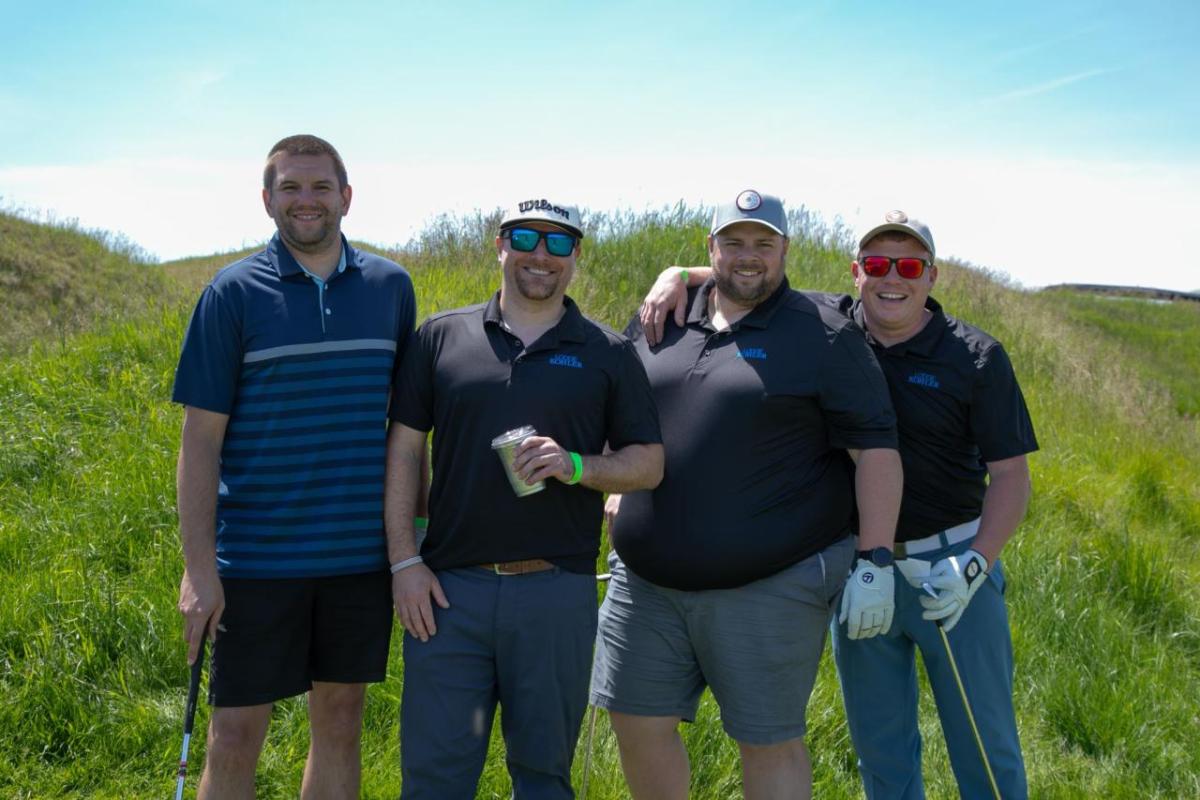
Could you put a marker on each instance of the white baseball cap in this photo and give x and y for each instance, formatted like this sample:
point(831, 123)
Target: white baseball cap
point(543, 210)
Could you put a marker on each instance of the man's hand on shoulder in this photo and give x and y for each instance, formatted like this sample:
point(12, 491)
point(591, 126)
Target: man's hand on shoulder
point(667, 296)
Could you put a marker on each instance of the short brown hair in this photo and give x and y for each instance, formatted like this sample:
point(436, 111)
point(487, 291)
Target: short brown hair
point(304, 144)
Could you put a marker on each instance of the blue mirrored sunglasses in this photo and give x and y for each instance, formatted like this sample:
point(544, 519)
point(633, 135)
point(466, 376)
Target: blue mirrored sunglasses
point(526, 240)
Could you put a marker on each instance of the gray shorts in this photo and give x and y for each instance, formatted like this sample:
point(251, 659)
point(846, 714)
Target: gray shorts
point(757, 646)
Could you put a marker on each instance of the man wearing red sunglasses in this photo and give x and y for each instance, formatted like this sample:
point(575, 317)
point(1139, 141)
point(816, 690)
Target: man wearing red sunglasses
point(964, 436)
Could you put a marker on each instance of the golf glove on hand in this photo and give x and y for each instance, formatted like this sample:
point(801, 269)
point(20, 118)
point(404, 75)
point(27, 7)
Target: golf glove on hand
point(956, 579)
point(868, 600)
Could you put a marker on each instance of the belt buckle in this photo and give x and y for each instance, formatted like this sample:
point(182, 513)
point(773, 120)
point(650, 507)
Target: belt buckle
point(496, 568)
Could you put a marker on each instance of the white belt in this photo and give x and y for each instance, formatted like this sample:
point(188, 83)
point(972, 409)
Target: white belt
point(946, 538)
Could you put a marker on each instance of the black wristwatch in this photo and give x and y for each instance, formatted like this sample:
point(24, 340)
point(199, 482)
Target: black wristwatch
point(879, 556)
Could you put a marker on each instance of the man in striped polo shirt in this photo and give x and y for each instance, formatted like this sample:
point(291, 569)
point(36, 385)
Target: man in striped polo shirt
point(285, 376)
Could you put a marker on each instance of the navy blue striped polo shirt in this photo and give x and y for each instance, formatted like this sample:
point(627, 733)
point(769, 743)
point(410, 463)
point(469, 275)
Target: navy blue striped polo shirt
point(303, 369)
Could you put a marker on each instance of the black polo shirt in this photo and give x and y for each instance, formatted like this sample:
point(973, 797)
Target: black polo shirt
point(470, 379)
point(756, 420)
point(958, 405)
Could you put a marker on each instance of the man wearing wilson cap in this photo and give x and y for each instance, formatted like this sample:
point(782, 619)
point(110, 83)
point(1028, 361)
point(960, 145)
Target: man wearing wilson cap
point(499, 603)
point(964, 436)
point(726, 575)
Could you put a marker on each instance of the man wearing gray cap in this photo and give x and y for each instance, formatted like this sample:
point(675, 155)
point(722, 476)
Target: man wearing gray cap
point(964, 435)
point(726, 575)
point(499, 601)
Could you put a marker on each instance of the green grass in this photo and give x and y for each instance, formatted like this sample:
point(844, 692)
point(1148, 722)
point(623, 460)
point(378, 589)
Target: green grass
point(1102, 576)
point(1154, 337)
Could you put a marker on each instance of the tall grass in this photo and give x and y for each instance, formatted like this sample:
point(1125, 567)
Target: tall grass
point(1102, 575)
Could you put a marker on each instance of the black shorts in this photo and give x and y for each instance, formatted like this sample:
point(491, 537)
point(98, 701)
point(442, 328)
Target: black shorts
point(277, 636)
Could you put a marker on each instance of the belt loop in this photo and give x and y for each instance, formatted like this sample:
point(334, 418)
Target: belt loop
point(944, 539)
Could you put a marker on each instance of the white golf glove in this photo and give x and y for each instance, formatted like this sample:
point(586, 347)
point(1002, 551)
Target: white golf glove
point(956, 579)
point(868, 600)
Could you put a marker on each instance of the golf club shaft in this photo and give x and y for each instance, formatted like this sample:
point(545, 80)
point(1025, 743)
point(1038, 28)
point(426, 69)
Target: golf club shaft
point(962, 692)
point(189, 718)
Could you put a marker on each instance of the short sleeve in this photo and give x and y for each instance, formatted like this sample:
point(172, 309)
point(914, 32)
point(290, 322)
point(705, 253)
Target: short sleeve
point(211, 360)
point(632, 416)
point(1000, 422)
point(406, 320)
point(412, 388)
point(854, 396)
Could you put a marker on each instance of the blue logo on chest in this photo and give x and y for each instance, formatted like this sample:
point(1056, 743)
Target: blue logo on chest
point(924, 379)
point(565, 361)
point(753, 353)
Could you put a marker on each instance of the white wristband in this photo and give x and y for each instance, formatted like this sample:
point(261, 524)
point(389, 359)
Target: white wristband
point(406, 563)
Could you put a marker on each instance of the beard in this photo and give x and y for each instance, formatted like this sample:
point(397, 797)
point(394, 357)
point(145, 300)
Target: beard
point(746, 295)
point(308, 238)
point(536, 288)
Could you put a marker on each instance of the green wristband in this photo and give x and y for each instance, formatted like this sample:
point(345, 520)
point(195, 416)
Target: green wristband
point(577, 460)
point(683, 276)
point(420, 522)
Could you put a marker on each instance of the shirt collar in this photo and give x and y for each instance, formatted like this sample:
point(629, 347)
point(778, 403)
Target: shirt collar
point(570, 328)
point(925, 340)
point(286, 264)
point(759, 316)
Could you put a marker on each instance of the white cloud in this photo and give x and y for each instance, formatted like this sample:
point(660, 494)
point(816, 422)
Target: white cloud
point(1042, 222)
point(1044, 87)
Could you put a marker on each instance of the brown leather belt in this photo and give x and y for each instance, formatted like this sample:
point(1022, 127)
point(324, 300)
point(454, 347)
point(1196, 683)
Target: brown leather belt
point(518, 567)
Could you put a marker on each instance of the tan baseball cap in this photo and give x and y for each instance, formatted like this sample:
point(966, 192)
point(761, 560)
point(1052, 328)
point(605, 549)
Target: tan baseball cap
point(899, 221)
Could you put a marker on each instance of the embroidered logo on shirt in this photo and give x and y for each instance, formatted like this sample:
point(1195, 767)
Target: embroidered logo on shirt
point(924, 379)
point(753, 352)
point(565, 361)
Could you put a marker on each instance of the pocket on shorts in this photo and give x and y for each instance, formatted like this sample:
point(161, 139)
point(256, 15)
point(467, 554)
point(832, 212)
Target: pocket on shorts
point(996, 574)
point(837, 559)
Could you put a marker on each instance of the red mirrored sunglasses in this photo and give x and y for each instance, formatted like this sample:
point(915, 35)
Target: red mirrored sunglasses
point(907, 267)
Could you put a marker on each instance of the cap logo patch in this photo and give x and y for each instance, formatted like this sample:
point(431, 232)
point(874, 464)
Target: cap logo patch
point(896, 216)
point(749, 200)
point(543, 205)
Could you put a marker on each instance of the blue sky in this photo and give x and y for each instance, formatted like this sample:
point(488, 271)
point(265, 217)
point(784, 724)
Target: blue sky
point(1052, 141)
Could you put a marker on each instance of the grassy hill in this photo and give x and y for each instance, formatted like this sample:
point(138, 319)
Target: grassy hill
point(59, 279)
point(1102, 576)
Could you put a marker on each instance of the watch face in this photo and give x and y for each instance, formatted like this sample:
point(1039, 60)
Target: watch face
point(882, 557)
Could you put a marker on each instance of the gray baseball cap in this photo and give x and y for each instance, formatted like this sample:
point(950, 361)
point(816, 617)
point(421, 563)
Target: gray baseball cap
point(542, 210)
point(750, 206)
point(899, 221)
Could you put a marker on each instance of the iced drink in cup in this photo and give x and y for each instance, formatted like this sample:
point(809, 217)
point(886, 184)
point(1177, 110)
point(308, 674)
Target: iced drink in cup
point(504, 445)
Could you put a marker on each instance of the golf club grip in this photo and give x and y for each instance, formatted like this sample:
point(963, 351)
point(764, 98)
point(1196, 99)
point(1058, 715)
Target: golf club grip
point(189, 715)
